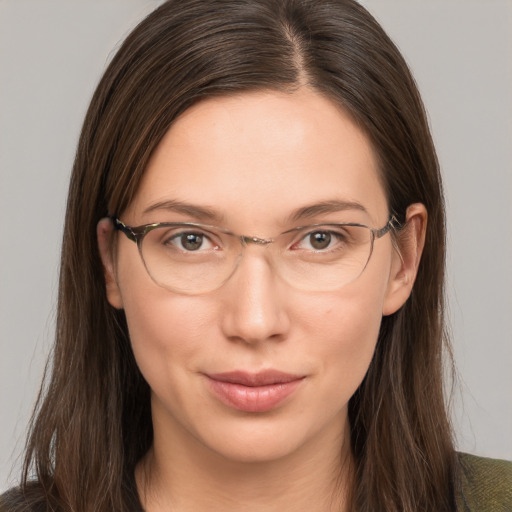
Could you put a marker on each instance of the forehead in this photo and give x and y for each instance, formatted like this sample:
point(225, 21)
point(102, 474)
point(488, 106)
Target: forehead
point(259, 156)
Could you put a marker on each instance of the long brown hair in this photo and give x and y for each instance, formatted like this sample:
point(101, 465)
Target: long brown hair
point(92, 422)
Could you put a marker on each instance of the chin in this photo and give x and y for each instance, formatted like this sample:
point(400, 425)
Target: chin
point(272, 437)
point(259, 448)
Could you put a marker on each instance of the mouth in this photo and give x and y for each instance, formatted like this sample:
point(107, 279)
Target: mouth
point(253, 392)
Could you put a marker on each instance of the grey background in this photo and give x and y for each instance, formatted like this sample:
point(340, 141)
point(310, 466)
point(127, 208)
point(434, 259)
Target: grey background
point(52, 53)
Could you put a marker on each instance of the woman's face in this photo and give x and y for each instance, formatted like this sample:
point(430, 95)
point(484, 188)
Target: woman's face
point(257, 369)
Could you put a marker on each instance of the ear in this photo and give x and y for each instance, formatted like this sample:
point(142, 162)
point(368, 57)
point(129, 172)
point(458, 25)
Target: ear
point(104, 233)
point(406, 258)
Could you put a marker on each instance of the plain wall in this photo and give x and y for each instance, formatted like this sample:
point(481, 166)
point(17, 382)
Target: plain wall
point(52, 54)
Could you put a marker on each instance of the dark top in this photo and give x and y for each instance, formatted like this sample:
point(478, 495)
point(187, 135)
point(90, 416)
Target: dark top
point(485, 486)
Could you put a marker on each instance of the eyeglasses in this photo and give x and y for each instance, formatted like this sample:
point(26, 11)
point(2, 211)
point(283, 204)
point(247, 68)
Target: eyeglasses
point(190, 258)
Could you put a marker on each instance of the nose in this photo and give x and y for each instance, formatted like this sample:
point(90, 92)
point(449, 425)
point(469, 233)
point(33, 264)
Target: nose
point(254, 306)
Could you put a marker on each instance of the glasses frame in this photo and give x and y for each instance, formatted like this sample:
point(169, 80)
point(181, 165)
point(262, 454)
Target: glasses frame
point(137, 233)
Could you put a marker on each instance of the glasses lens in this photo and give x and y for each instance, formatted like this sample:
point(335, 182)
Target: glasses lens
point(326, 257)
point(189, 259)
point(197, 259)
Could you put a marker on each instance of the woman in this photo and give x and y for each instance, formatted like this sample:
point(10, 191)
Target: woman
point(251, 296)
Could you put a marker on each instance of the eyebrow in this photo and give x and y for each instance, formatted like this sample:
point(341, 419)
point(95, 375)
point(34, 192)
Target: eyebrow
point(330, 206)
point(204, 213)
point(192, 210)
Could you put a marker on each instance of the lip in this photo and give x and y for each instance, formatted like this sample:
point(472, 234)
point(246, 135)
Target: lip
point(253, 392)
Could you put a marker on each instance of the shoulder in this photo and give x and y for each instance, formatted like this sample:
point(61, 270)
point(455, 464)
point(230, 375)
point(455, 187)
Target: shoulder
point(485, 484)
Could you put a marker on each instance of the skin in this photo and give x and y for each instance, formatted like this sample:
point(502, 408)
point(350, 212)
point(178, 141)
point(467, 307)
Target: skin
point(253, 159)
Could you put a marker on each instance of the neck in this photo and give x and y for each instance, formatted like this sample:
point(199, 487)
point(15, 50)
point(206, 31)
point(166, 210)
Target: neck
point(186, 477)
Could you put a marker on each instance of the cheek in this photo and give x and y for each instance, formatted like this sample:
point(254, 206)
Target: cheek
point(354, 329)
point(160, 325)
point(342, 331)
point(167, 332)
point(170, 342)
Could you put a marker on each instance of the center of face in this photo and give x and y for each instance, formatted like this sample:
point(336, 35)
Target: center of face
point(271, 166)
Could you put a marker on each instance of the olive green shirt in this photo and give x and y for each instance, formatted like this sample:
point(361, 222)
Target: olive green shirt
point(486, 485)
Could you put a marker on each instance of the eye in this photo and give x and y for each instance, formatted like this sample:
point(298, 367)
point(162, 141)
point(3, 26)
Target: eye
point(191, 241)
point(319, 240)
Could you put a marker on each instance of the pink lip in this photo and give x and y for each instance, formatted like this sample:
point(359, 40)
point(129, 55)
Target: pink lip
point(253, 392)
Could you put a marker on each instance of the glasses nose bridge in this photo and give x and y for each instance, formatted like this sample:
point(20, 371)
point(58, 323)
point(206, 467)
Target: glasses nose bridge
point(247, 240)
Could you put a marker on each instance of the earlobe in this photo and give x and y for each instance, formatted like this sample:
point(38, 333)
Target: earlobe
point(406, 260)
point(104, 231)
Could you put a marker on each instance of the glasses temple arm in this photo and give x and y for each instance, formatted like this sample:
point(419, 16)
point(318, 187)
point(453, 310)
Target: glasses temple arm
point(127, 230)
